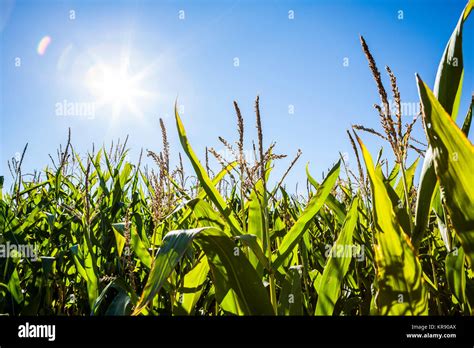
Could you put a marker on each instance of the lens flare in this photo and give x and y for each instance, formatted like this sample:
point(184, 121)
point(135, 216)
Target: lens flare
point(43, 45)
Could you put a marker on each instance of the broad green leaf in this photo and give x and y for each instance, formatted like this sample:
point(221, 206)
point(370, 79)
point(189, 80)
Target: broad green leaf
point(205, 215)
point(293, 236)
point(204, 179)
point(256, 227)
point(193, 285)
point(121, 305)
point(392, 178)
point(337, 265)
point(14, 286)
point(445, 233)
point(78, 260)
point(230, 303)
point(331, 202)
point(256, 247)
point(230, 269)
point(174, 246)
point(92, 280)
point(398, 203)
point(291, 295)
point(255, 214)
point(399, 275)
point(202, 193)
point(456, 274)
point(453, 157)
point(217, 178)
point(447, 90)
point(118, 229)
point(466, 126)
point(84, 264)
point(410, 174)
point(139, 247)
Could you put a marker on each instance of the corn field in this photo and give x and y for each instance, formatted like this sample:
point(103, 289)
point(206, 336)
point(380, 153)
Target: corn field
point(113, 238)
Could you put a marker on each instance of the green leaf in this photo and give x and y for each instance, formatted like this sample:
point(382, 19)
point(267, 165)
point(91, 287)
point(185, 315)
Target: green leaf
point(397, 203)
point(193, 284)
point(118, 229)
point(453, 157)
point(205, 215)
point(292, 238)
point(121, 305)
point(78, 260)
point(173, 248)
point(204, 179)
point(84, 265)
point(410, 174)
point(333, 204)
point(255, 212)
point(291, 295)
point(399, 275)
point(392, 178)
point(456, 274)
point(337, 265)
point(256, 228)
point(230, 269)
point(447, 90)
point(14, 286)
point(466, 126)
point(252, 241)
point(202, 193)
point(139, 247)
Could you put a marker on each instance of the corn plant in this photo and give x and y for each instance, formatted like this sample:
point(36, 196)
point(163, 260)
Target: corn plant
point(111, 237)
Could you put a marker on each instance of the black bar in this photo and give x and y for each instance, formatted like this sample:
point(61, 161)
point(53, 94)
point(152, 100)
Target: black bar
point(290, 331)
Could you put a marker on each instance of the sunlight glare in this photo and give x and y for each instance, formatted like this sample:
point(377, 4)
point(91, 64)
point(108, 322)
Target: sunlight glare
point(113, 86)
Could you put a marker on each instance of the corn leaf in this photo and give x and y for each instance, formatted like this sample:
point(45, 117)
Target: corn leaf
point(229, 267)
point(84, 265)
point(204, 179)
point(291, 296)
point(453, 157)
point(139, 247)
point(456, 274)
point(466, 126)
point(398, 271)
point(292, 238)
point(337, 266)
point(331, 202)
point(14, 286)
point(174, 246)
point(193, 286)
point(447, 90)
point(118, 229)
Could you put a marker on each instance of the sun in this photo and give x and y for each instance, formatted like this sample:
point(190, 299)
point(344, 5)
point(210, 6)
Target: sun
point(114, 86)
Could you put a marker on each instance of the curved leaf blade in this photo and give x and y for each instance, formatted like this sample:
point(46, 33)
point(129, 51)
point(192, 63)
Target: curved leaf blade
point(337, 267)
point(453, 157)
point(296, 232)
point(399, 275)
point(447, 90)
point(204, 179)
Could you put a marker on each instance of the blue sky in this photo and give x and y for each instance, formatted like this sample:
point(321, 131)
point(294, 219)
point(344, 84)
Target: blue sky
point(291, 63)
